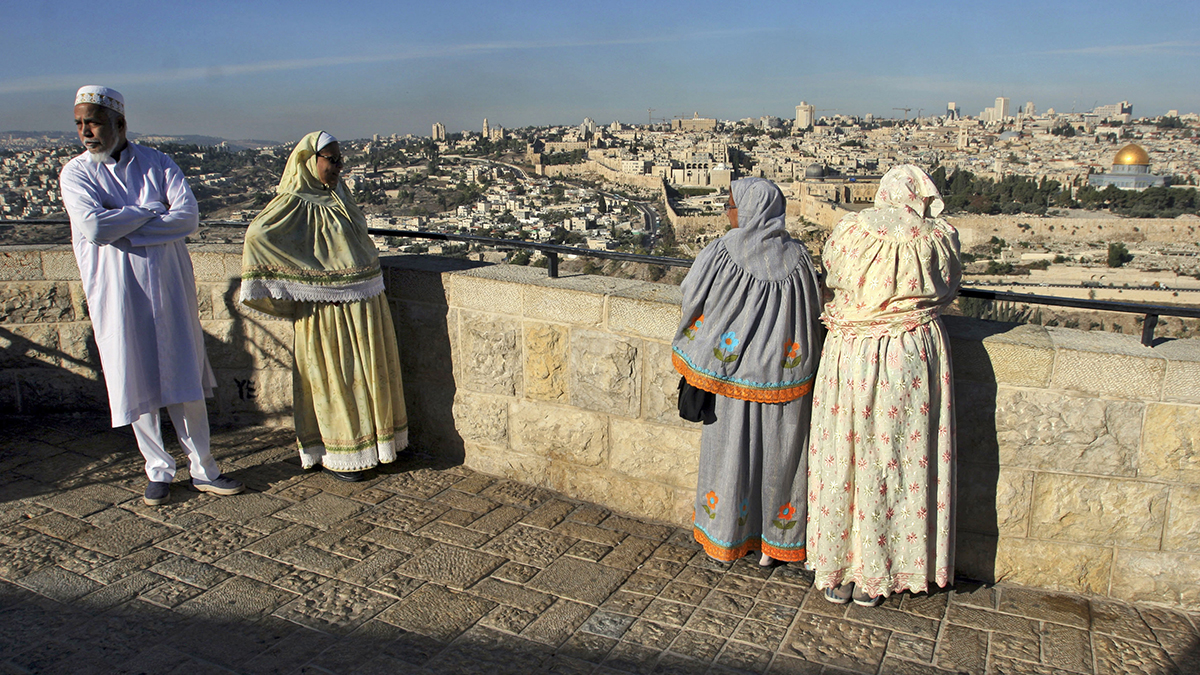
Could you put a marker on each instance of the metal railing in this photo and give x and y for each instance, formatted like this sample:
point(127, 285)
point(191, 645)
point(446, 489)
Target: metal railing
point(1151, 313)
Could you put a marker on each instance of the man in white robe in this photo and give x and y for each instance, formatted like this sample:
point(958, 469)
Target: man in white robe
point(131, 211)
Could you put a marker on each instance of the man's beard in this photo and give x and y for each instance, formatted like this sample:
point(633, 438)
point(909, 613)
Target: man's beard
point(99, 156)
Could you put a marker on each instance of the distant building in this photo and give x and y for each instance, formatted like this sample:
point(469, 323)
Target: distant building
point(487, 131)
point(1130, 171)
point(952, 110)
point(1001, 108)
point(1030, 110)
point(1121, 112)
point(804, 116)
point(439, 131)
point(697, 123)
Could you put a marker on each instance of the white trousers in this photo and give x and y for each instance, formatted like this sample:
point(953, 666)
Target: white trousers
point(191, 424)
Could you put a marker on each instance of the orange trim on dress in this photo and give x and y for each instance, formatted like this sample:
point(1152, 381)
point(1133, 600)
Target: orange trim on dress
point(718, 552)
point(731, 390)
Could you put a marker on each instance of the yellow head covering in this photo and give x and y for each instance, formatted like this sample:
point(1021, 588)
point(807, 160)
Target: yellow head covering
point(309, 244)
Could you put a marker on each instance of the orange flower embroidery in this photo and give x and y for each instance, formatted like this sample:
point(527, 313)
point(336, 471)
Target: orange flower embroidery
point(711, 506)
point(792, 358)
point(786, 513)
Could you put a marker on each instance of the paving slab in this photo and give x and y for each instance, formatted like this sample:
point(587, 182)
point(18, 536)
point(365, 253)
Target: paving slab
point(429, 568)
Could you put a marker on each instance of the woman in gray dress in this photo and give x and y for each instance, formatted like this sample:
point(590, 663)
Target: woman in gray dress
point(749, 334)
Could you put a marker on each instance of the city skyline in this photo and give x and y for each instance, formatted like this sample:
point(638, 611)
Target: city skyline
point(273, 71)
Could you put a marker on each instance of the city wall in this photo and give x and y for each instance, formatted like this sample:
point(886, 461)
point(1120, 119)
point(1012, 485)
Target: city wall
point(1079, 453)
point(976, 229)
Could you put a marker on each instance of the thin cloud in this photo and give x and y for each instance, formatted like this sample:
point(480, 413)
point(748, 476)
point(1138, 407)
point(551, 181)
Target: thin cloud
point(69, 81)
point(1174, 48)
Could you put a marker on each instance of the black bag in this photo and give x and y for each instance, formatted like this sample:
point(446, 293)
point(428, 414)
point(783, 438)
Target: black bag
point(696, 405)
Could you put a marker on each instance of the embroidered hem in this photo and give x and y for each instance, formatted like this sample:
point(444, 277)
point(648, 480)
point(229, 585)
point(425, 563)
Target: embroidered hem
point(364, 455)
point(733, 553)
point(281, 289)
point(744, 391)
point(884, 585)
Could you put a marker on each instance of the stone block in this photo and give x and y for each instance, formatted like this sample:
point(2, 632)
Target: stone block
point(1183, 520)
point(37, 302)
point(79, 302)
point(78, 348)
point(426, 333)
point(1059, 566)
point(639, 498)
point(44, 390)
point(562, 305)
point(485, 295)
point(481, 419)
point(643, 318)
point(210, 266)
point(1109, 373)
point(226, 344)
point(657, 453)
point(660, 386)
point(1021, 355)
point(504, 462)
point(1183, 370)
point(546, 361)
point(429, 284)
point(1098, 510)
point(1150, 576)
point(253, 392)
point(227, 304)
point(489, 357)
point(559, 433)
point(1171, 443)
point(1061, 432)
point(18, 265)
point(993, 500)
point(604, 373)
point(26, 345)
point(204, 301)
point(270, 344)
point(59, 265)
point(233, 266)
point(1182, 382)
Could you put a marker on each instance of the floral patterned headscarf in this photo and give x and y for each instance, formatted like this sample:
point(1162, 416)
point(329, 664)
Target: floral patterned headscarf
point(907, 187)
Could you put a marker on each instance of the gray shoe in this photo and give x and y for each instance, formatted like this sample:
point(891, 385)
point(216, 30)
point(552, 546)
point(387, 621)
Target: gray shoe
point(157, 493)
point(221, 485)
point(863, 600)
point(839, 595)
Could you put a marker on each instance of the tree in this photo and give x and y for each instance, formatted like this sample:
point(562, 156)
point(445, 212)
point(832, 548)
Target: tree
point(1118, 255)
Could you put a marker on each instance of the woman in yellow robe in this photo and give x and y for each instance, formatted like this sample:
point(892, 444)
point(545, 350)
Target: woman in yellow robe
point(308, 258)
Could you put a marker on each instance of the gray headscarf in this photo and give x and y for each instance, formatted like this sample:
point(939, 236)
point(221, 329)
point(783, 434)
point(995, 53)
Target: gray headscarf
point(750, 303)
point(760, 244)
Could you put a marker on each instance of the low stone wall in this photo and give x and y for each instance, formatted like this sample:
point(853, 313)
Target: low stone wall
point(48, 357)
point(1079, 453)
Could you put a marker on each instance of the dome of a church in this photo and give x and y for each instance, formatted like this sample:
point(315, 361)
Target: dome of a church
point(1131, 155)
point(814, 170)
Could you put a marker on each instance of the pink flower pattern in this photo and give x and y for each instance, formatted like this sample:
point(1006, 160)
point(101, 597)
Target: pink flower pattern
point(882, 509)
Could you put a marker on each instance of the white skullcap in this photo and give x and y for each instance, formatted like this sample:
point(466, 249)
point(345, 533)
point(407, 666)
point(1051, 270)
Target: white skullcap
point(324, 139)
point(102, 96)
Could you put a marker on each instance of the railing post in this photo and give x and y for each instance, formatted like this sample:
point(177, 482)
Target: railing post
point(553, 256)
point(1148, 329)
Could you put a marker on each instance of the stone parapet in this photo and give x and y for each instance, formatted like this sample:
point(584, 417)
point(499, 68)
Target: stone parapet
point(1079, 453)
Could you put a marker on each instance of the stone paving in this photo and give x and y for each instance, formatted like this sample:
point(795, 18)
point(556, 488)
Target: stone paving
point(428, 568)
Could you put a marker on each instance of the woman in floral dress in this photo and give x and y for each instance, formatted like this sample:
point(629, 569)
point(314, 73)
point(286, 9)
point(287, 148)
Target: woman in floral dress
point(749, 334)
point(881, 458)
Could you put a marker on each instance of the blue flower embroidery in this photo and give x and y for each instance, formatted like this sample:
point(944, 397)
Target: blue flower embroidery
point(724, 349)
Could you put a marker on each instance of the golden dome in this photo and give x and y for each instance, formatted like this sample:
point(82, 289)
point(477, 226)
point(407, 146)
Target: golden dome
point(1131, 155)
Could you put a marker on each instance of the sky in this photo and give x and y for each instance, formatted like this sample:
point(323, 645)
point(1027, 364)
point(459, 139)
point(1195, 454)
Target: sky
point(276, 70)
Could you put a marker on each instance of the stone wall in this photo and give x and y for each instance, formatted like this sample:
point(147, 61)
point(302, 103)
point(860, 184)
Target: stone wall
point(1103, 227)
point(48, 357)
point(1079, 453)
